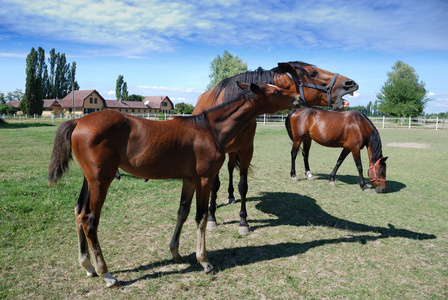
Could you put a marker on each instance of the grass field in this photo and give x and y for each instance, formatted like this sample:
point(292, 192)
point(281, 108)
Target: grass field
point(308, 240)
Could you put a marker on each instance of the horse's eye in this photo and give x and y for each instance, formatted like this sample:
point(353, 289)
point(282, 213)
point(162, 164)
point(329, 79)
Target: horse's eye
point(314, 73)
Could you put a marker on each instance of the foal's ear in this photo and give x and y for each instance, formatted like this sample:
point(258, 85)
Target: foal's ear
point(255, 88)
point(242, 85)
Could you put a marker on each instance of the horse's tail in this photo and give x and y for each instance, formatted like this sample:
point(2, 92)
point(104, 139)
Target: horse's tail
point(288, 124)
point(62, 152)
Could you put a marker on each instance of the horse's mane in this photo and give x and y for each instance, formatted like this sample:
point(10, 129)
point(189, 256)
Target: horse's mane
point(258, 76)
point(374, 141)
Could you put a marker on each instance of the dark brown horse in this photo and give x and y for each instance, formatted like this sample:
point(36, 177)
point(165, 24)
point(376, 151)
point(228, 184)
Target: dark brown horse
point(190, 148)
point(317, 87)
point(349, 130)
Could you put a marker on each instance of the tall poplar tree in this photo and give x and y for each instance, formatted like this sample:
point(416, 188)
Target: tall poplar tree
point(32, 100)
point(121, 89)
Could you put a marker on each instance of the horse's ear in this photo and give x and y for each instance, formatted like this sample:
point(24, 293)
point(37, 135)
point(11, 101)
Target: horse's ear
point(286, 67)
point(255, 88)
point(384, 159)
point(242, 85)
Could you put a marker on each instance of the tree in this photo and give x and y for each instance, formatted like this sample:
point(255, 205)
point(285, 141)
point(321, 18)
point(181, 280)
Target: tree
point(135, 97)
point(32, 101)
point(61, 78)
point(402, 95)
point(121, 89)
point(224, 67)
point(183, 108)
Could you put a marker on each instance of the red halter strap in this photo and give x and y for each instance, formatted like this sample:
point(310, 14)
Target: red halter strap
point(374, 171)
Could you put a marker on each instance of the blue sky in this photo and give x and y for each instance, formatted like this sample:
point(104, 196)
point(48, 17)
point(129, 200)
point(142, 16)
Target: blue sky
point(165, 47)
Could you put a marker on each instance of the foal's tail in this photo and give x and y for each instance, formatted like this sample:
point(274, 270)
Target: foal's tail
point(288, 124)
point(62, 152)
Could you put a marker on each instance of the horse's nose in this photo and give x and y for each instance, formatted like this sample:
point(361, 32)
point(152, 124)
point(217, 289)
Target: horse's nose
point(350, 83)
point(380, 189)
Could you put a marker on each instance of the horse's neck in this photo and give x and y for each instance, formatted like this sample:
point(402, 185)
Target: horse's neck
point(227, 122)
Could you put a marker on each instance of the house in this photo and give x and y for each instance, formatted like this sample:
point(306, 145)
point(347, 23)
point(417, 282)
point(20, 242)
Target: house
point(161, 104)
point(88, 101)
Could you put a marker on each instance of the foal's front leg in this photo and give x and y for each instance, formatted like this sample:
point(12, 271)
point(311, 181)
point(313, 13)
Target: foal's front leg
point(202, 195)
point(182, 215)
point(362, 183)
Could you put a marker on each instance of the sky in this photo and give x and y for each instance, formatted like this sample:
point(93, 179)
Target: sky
point(166, 47)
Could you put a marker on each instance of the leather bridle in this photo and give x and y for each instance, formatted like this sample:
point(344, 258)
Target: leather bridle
point(374, 171)
point(327, 88)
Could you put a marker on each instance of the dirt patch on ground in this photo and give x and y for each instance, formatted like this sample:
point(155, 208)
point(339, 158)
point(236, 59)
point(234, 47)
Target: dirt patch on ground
point(409, 145)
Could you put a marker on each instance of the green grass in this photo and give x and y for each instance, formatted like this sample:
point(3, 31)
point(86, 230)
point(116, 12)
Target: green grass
point(307, 240)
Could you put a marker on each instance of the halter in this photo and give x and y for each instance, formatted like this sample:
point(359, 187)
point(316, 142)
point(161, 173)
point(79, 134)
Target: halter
point(327, 88)
point(374, 171)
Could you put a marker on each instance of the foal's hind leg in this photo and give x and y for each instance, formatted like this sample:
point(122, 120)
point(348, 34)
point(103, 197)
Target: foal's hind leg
point(305, 154)
point(83, 255)
point(294, 150)
point(339, 162)
point(211, 221)
point(231, 168)
point(245, 159)
point(89, 217)
point(182, 215)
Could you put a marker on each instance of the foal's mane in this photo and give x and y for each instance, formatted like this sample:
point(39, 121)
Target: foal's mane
point(201, 119)
point(259, 75)
point(374, 141)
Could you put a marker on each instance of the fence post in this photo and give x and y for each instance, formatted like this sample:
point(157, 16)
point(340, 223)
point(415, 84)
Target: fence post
point(384, 119)
point(409, 122)
point(264, 119)
point(437, 122)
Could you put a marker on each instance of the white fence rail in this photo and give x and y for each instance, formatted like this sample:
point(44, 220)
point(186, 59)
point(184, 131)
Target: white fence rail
point(380, 122)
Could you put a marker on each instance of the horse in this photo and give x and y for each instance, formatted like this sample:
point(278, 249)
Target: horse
point(190, 148)
point(317, 87)
point(350, 130)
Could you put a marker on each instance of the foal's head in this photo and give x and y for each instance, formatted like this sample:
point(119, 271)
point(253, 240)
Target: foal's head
point(377, 174)
point(272, 98)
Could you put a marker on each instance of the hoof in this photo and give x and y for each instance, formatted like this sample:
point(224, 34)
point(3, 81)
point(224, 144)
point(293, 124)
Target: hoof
point(177, 259)
point(211, 225)
point(111, 281)
point(368, 191)
point(115, 285)
point(243, 230)
point(309, 176)
point(231, 200)
point(91, 275)
point(331, 183)
point(295, 179)
point(209, 270)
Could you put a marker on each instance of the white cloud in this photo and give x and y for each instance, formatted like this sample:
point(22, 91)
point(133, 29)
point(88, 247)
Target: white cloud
point(136, 28)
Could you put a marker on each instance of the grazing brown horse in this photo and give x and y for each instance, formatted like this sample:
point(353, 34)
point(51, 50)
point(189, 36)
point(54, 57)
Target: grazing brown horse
point(190, 148)
point(317, 87)
point(349, 130)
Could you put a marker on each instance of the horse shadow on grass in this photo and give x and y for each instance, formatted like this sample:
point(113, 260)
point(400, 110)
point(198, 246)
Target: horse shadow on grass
point(293, 210)
point(392, 186)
